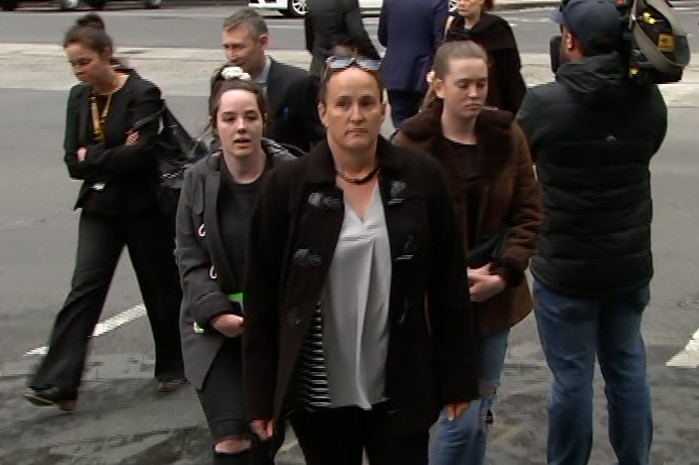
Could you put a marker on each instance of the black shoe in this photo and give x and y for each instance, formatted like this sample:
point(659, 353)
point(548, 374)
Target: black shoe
point(52, 396)
point(171, 384)
point(241, 458)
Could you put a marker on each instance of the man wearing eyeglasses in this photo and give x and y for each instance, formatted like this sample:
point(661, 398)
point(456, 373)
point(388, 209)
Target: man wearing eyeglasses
point(292, 94)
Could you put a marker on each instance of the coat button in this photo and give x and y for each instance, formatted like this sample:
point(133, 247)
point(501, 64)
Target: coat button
point(293, 317)
point(304, 257)
point(212, 273)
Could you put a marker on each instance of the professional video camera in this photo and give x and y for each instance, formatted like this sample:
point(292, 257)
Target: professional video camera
point(653, 42)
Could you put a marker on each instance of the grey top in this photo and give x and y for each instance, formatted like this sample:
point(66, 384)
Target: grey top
point(355, 309)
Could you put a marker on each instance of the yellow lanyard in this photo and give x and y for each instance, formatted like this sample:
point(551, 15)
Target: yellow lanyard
point(98, 120)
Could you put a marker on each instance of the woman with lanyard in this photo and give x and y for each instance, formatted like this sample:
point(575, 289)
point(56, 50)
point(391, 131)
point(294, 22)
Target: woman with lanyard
point(119, 207)
point(358, 327)
point(212, 228)
point(495, 195)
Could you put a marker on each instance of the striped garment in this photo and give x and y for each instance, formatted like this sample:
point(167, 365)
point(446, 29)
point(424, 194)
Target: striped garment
point(310, 389)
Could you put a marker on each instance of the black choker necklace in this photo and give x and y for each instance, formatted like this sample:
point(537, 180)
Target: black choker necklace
point(358, 181)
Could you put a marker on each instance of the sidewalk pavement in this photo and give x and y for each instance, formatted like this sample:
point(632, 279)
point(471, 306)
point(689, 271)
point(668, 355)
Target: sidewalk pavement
point(186, 71)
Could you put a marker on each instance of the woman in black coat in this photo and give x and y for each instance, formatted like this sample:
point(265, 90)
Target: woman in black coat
point(472, 20)
point(212, 226)
point(357, 326)
point(119, 207)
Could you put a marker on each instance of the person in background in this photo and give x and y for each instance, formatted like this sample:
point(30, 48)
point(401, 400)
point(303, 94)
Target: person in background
point(496, 197)
point(472, 20)
point(593, 133)
point(358, 324)
point(211, 237)
point(329, 21)
point(118, 198)
point(291, 93)
point(411, 31)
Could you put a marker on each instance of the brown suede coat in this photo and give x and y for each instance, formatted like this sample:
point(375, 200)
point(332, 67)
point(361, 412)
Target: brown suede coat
point(510, 196)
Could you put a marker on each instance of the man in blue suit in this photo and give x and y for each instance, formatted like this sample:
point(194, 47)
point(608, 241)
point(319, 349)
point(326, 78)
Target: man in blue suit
point(411, 31)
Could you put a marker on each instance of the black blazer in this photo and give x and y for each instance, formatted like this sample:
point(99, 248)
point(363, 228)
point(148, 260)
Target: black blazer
point(292, 100)
point(205, 270)
point(128, 172)
point(432, 355)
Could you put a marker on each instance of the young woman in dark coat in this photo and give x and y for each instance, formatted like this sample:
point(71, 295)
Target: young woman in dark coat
point(472, 20)
point(212, 228)
point(358, 326)
point(119, 208)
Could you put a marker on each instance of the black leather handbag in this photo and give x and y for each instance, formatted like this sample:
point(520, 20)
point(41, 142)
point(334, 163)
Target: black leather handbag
point(176, 151)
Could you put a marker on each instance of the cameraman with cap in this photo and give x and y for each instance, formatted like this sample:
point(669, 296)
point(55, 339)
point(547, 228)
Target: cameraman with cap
point(592, 134)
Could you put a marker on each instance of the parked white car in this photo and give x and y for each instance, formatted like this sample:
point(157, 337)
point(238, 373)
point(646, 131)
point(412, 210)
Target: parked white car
point(296, 8)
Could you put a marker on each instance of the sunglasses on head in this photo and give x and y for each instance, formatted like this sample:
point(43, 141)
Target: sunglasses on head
point(367, 64)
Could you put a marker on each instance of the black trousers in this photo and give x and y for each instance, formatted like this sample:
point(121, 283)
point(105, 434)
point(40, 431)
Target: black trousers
point(149, 238)
point(339, 436)
point(221, 398)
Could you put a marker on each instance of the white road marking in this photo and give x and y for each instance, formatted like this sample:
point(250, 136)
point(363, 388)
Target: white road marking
point(105, 326)
point(689, 356)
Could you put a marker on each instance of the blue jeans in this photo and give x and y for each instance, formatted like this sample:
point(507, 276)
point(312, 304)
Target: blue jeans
point(572, 331)
point(463, 440)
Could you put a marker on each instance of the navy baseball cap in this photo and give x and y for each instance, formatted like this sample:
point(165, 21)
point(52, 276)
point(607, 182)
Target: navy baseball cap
point(589, 19)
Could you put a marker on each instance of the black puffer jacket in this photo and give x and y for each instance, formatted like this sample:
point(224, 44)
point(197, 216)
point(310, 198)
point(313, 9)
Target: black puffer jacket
point(592, 134)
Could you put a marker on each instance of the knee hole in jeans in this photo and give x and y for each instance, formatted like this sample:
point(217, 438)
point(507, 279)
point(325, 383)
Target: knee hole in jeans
point(487, 392)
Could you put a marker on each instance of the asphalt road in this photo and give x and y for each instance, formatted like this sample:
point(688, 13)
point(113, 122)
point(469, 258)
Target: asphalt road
point(180, 25)
point(120, 419)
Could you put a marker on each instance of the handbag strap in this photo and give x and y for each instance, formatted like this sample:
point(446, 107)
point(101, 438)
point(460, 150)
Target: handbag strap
point(149, 119)
point(654, 56)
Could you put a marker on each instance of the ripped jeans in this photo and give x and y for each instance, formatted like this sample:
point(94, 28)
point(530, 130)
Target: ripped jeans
point(463, 441)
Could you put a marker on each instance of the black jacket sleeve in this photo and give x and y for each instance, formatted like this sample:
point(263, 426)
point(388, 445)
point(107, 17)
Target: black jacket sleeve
point(130, 159)
point(530, 119)
point(313, 126)
point(262, 286)
point(305, 129)
point(659, 103)
point(450, 313)
point(202, 297)
point(509, 78)
point(71, 139)
point(308, 33)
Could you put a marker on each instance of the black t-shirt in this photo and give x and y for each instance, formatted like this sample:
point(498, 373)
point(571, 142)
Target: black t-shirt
point(470, 173)
point(234, 209)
